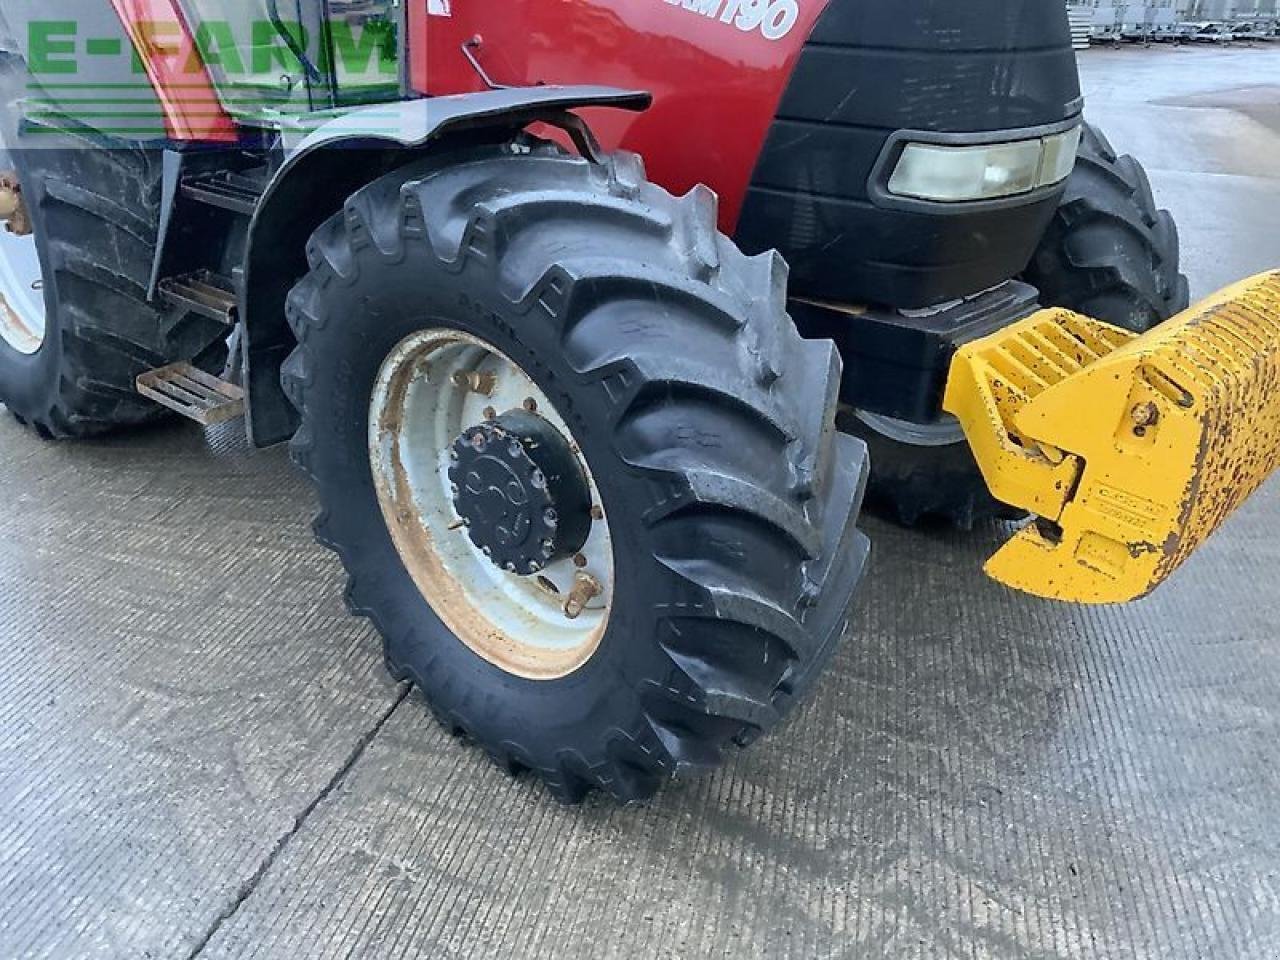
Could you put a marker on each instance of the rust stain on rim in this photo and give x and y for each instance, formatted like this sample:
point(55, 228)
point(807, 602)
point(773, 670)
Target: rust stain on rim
point(415, 541)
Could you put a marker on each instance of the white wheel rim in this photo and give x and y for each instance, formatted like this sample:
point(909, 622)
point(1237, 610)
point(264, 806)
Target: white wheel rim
point(21, 292)
point(417, 410)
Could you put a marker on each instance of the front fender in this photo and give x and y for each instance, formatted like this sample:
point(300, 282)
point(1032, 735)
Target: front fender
point(323, 168)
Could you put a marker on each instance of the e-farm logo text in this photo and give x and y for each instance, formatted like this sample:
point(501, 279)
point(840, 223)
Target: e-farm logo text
point(282, 52)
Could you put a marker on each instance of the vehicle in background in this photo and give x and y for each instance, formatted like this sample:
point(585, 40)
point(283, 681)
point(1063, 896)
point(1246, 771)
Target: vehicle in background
point(1107, 27)
point(1206, 33)
point(1256, 32)
point(1144, 24)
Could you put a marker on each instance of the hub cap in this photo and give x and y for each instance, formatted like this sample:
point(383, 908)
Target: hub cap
point(490, 504)
point(520, 492)
point(21, 280)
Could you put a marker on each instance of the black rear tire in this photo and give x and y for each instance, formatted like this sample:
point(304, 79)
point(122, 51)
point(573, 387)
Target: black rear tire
point(915, 485)
point(1109, 253)
point(705, 419)
point(95, 207)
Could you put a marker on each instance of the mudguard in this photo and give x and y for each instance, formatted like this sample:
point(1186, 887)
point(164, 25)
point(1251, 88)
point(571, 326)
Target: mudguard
point(324, 166)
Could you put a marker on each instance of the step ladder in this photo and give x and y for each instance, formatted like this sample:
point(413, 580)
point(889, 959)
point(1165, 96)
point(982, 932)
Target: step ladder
point(238, 192)
point(204, 292)
point(196, 395)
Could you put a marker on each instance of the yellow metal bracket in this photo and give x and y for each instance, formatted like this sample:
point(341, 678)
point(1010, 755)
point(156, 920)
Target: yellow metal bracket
point(1130, 450)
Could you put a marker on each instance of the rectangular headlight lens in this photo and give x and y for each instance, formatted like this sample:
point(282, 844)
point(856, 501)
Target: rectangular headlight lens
point(1059, 156)
point(935, 172)
point(952, 174)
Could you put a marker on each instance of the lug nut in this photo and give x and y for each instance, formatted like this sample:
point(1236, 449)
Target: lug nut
point(530, 404)
point(1145, 414)
point(585, 589)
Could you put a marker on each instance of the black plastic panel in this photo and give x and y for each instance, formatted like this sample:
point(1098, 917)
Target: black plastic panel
point(876, 67)
point(897, 365)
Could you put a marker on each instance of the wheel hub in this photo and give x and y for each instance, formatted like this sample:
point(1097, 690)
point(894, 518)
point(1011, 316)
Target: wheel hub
point(22, 306)
point(520, 492)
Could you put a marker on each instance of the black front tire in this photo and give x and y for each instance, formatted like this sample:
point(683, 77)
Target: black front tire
point(1109, 253)
point(705, 419)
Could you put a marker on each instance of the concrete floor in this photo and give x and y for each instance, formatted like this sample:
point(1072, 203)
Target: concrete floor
point(200, 754)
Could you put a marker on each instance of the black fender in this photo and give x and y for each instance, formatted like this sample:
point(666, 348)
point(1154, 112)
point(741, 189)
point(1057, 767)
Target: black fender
point(328, 166)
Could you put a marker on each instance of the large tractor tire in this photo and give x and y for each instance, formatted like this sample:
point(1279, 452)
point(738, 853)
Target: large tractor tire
point(1109, 253)
point(75, 325)
point(579, 466)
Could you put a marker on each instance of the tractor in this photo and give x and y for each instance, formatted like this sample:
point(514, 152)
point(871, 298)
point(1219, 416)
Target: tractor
point(593, 323)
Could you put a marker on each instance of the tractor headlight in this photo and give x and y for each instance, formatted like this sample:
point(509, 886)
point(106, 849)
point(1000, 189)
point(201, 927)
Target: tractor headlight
point(1059, 156)
point(988, 171)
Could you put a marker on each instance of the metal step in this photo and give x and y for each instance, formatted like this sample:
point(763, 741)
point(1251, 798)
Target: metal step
point(237, 192)
point(197, 395)
point(204, 292)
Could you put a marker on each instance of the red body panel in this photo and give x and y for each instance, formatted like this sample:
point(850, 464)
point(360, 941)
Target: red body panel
point(716, 85)
point(164, 43)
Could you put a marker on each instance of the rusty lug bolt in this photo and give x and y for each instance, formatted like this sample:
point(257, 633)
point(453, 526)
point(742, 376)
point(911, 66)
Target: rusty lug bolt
point(531, 405)
point(490, 413)
point(1144, 414)
point(585, 589)
point(579, 560)
point(475, 381)
point(597, 513)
